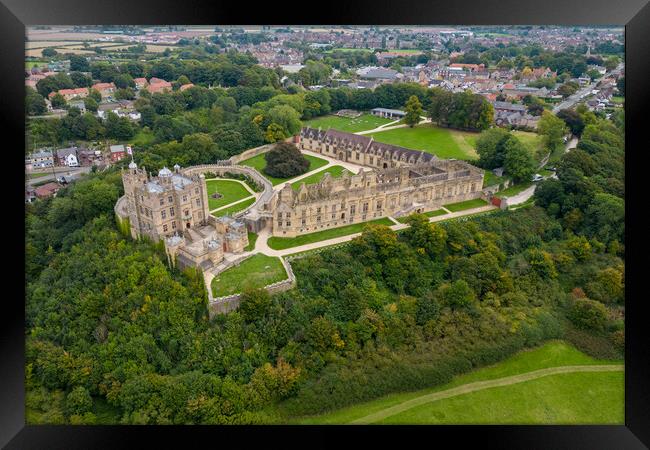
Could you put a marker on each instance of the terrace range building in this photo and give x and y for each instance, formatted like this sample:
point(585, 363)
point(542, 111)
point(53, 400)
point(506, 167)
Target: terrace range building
point(174, 207)
point(401, 181)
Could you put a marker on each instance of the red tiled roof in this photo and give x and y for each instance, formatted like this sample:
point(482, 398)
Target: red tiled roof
point(102, 86)
point(186, 86)
point(47, 189)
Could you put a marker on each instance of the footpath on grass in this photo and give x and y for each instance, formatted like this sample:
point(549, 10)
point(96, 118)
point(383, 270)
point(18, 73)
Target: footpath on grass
point(480, 385)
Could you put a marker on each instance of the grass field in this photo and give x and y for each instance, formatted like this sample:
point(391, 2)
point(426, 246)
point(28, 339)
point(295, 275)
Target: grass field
point(595, 397)
point(513, 190)
point(234, 208)
point(532, 141)
point(281, 243)
point(258, 162)
point(442, 142)
point(231, 191)
point(334, 171)
point(361, 123)
point(468, 204)
point(255, 272)
point(435, 213)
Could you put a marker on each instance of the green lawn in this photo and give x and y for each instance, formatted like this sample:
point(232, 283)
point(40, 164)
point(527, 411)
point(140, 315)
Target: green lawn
point(618, 100)
point(258, 162)
point(281, 243)
point(234, 208)
point(334, 171)
point(533, 142)
point(442, 142)
point(437, 212)
point(361, 123)
point(513, 190)
point(255, 272)
point(231, 191)
point(252, 238)
point(557, 398)
point(572, 398)
point(468, 204)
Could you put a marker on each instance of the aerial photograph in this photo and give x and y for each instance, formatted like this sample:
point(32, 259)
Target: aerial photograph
point(311, 225)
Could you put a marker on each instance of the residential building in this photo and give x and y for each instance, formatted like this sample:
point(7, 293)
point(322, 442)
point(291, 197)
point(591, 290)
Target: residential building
point(117, 152)
point(42, 158)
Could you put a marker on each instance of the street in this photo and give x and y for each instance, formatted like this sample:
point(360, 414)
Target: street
point(59, 171)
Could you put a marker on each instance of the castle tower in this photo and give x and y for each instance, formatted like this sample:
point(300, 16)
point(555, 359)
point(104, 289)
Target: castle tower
point(132, 179)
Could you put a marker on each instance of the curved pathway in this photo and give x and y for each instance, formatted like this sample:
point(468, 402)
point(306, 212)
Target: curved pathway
point(480, 385)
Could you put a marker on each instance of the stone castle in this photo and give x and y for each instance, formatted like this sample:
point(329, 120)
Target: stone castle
point(393, 181)
point(400, 181)
point(174, 207)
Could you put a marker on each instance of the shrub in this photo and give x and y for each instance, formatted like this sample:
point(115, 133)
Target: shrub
point(78, 401)
point(588, 314)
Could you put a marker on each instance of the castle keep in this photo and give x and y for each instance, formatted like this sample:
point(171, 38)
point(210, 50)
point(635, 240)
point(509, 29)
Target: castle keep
point(174, 207)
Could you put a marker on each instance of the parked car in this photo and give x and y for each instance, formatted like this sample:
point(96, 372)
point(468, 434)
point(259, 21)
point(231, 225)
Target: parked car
point(537, 177)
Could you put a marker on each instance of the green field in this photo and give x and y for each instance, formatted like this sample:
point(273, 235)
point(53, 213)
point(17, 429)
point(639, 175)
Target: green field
point(435, 213)
point(231, 191)
point(229, 211)
point(281, 243)
point(255, 272)
point(342, 49)
point(593, 397)
point(468, 204)
point(442, 142)
point(334, 171)
point(361, 123)
point(533, 142)
point(513, 190)
point(618, 100)
point(258, 162)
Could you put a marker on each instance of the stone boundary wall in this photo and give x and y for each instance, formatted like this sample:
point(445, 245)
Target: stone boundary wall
point(120, 207)
point(236, 159)
point(223, 305)
point(220, 169)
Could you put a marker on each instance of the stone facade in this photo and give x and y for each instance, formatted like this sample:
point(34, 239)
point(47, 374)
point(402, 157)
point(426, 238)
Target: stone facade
point(400, 182)
point(358, 149)
point(174, 207)
point(164, 205)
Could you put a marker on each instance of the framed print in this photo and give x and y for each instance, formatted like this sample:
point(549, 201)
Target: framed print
point(258, 225)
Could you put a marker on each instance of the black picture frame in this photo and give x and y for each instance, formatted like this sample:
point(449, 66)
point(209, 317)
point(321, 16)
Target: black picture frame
point(633, 14)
